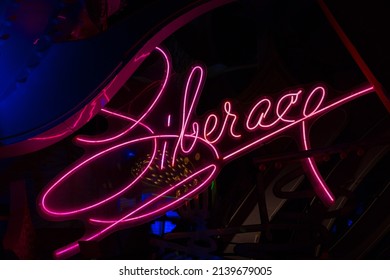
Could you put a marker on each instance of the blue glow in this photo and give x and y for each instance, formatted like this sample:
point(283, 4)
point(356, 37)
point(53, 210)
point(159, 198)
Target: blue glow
point(162, 227)
point(349, 223)
point(31, 70)
point(145, 196)
point(172, 214)
point(131, 154)
point(157, 228)
point(169, 227)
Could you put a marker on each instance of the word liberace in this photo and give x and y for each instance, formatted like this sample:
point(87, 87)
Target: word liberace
point(236, 133)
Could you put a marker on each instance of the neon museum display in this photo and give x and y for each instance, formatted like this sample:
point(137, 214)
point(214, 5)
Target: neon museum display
point(171, 137)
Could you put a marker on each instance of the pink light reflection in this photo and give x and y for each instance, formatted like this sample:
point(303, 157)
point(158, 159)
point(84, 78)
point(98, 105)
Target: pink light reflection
point(51, 137)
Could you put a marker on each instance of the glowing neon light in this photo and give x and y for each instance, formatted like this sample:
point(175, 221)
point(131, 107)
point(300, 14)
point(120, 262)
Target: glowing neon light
point(280, 113)
point(55, 213)
point(262, 116)
point(147, 111)
point(261, 141)
point(293, 99)
point(309, 99)
point(94, 205)
point(262, 123)
point(122, 116)
point(186, 112)
point(319, 184)
point(73, 248)
point(165, 144)
point(227, 106)
point(208, 131)
point(163, 209)
point(163, 154)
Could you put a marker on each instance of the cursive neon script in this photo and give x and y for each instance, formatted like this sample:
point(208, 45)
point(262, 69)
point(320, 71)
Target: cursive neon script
point(261, 123)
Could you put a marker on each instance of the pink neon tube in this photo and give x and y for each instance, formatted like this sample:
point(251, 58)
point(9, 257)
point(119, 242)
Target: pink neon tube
point(320, 187)
point(191, 134)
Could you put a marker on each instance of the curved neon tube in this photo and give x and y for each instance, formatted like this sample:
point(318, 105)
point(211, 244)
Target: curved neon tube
point(191, 133)
point(47, 210)
point(73, 248)
point(186, 112)
point(261, 141)
point(320, 187)
point(167, 62)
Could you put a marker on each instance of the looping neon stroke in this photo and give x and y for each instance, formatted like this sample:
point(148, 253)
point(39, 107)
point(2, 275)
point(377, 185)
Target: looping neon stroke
point(261, 124)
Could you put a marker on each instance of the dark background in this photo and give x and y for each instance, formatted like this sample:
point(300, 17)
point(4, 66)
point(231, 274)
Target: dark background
point(250, 48)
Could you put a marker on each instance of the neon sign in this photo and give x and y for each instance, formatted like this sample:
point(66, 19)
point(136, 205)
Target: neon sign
point(215, 138)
